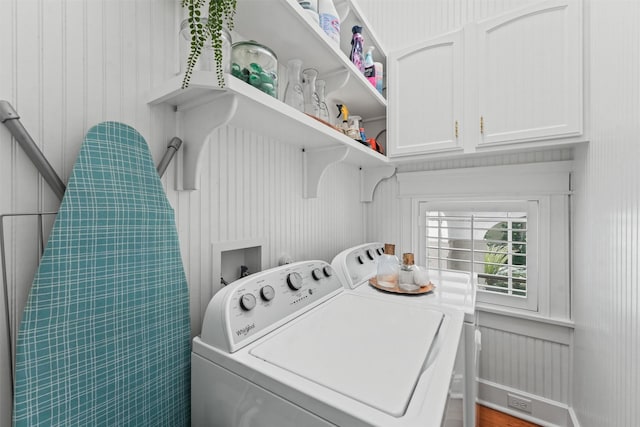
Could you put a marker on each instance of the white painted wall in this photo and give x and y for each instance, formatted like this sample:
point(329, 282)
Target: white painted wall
point(67, 65)
point(606, 296)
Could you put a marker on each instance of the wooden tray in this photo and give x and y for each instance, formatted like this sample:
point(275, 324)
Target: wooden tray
point(429, 287)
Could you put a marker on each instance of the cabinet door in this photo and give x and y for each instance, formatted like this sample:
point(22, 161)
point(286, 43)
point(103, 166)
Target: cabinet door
point(425, 97)
point(530, 74)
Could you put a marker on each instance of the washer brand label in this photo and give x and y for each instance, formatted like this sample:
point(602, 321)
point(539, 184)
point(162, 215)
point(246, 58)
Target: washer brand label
point(245, 330)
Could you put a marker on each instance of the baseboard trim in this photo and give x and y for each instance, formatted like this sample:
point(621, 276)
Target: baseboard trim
point(546, 412)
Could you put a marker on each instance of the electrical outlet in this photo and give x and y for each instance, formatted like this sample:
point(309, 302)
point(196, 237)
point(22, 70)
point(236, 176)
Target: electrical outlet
point(518, 402)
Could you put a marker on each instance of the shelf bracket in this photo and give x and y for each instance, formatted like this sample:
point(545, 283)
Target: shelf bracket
point(195, 125)
point(344, 9)
point(370, 178)
point(315, 163)
point(335, 81)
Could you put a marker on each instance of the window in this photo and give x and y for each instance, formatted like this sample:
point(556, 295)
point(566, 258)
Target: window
point(507, 225)
point(494, 241)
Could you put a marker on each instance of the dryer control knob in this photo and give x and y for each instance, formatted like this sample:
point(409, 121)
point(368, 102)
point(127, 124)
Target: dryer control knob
point(267, 293)
point(247, 302)
point(316, 274)
point(327, 270)
point(294, 280)
point(370, 254)
point(360, 261)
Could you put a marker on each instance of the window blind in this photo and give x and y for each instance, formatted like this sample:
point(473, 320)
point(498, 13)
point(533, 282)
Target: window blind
point(490, 245)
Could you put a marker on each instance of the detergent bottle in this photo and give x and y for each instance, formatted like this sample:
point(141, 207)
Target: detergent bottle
point(369, 67)
point(329, 20)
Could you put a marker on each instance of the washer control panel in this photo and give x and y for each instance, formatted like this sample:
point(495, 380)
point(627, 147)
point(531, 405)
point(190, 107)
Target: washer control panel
point(255, 305)
point(358, 264)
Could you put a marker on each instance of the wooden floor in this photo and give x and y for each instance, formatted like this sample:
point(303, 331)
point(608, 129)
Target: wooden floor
point(487, 417)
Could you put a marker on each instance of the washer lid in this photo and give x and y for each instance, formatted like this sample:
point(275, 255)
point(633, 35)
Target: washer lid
point(368, 349)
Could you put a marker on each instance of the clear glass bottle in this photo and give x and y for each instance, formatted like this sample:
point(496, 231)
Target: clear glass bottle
point(407, 271)
point(323, 113)
point(388, 267)
point(311, 104)
point(293, 93)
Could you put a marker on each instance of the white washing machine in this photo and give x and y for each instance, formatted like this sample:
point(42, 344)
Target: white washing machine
point(292, 347)
point(355, 266)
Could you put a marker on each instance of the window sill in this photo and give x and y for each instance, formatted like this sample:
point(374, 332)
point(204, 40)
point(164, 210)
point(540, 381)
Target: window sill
point(520, 314)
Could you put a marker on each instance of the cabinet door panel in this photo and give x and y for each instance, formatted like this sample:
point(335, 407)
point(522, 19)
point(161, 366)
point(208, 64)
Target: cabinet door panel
point(530, 74)
point(425, 97)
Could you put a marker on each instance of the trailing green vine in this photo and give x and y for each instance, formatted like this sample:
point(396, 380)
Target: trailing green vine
point(220, 12)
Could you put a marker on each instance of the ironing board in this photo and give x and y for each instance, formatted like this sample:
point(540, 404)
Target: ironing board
point(104, 337)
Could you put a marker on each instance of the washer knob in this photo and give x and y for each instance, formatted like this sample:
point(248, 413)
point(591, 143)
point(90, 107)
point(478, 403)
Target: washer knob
point(294, 280)
point(370, 254)
point(267, 293)
point(247, 302)
point(360, 261)
point(327, 270)
point(316, 274)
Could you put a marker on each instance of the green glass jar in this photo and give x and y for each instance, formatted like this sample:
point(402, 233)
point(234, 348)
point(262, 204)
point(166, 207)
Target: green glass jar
point(256, 65)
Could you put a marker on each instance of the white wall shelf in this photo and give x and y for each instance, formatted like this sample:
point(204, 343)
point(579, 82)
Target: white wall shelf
point(204, 106)
point(290, 32)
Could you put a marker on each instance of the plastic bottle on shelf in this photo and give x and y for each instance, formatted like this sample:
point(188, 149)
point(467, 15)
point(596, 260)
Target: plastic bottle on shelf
point(329, 20)
point(369, 66)
point(357, 46)
point(388, 267)
point(379, 75)
point(311, 7)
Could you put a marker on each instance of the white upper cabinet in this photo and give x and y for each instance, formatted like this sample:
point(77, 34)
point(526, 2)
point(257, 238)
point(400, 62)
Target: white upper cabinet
point(507, 82)
point(425, 96)
point(529, 74)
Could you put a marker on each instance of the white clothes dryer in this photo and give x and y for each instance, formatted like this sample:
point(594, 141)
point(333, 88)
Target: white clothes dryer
point(292, 347)
point(453, 289)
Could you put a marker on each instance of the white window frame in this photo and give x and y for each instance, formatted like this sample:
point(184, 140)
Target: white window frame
point(531, 207)
point(548, 183)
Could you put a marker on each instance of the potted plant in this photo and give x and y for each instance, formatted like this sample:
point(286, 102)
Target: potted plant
point(219, 13)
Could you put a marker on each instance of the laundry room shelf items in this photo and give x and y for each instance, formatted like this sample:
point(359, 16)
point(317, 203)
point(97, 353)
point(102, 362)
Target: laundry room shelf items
point(204, 105)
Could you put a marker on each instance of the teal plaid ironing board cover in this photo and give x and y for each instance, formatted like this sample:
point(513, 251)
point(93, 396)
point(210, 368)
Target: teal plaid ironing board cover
point(104, 338)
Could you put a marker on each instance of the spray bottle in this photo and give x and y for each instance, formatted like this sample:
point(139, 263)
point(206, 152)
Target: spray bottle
point(369, 67)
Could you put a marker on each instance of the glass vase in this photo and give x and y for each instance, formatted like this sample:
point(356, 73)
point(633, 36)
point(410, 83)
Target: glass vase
point(293, 93)
point(323, 110)
point(311, 104)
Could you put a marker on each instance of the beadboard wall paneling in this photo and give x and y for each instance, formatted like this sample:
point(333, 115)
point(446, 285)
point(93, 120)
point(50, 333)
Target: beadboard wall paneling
point(68, 65)
point(525, 363)
point(606, 294)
